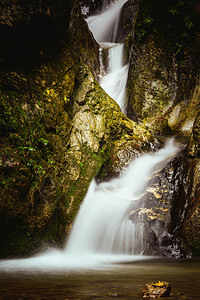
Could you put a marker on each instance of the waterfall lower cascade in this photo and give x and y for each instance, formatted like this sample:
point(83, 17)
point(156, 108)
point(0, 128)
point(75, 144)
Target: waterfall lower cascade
point(102, 225)
point(104, 28)
point(102, 232)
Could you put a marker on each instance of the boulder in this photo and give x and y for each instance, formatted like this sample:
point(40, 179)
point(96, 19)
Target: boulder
point(156, 290)
point(127, 19)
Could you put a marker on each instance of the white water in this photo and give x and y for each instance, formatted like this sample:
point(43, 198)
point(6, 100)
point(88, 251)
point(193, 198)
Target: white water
point(102, 233)
point(102, 225)
point(104, 28)
point(114, 82)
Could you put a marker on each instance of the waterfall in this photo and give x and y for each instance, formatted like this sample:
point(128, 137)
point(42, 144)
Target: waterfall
point(104, 28)
point(114, 82)
point(102, 232)
point(103, 225)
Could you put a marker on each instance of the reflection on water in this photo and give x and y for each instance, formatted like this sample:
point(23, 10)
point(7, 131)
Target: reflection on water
point(125, 281)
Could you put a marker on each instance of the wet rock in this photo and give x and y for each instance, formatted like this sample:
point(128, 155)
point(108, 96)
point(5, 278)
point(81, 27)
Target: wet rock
point(163, 83)
point(154, 212)
point(194, 143)
point(127, 18)
point(185, 210)
point(82, 41)
point(151, 87)
point(156, 290)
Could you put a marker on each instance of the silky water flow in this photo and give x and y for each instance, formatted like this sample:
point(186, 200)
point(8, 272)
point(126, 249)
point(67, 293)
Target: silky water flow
point(102, 232)
point(114, 76)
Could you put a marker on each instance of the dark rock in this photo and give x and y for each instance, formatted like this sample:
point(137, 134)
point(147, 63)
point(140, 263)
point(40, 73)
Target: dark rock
point(156, 290)
point(158, 212)
point(127, 19)
point(184, 225)
point(82, 42)
point(32, 32)
point(194, 143)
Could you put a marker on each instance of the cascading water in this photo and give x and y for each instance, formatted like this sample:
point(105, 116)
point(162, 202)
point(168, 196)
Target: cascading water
point(103, 224)
point(114, 82)
point(102, 232)
point(104, 28)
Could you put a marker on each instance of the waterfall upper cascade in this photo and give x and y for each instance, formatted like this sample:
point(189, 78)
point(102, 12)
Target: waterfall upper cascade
point(104, 28)
point(114, 82)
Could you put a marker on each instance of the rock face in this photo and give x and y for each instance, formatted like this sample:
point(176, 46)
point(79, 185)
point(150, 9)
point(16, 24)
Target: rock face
point(163, 84)
point(153, 215)
point(163, 97)
point(151, 87)
point(155, 93)
point(168, 216)
point(82, 41)
point(194, 148)
point(188, 231)
point(185, 205)
point(127, 19)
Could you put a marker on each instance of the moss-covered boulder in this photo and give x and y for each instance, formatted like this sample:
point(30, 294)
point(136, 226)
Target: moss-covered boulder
point(151, 87)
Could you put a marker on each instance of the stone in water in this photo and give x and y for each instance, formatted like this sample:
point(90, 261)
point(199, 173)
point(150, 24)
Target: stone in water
point(156, 290)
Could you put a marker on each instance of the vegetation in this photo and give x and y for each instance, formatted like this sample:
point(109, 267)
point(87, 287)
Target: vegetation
point(174, 25)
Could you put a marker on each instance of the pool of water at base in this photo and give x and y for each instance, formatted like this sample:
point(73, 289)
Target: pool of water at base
point(123, 281)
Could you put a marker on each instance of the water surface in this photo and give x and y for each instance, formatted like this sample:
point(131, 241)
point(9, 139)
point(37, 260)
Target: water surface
point(123, 281)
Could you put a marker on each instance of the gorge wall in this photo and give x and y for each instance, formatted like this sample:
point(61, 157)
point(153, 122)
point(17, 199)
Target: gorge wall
point(164, 97)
